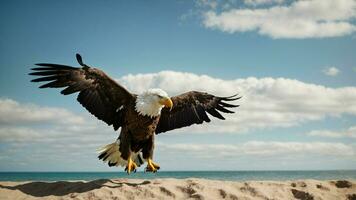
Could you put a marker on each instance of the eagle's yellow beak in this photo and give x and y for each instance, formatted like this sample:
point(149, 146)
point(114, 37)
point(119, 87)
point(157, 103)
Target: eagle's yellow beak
point(167, 102)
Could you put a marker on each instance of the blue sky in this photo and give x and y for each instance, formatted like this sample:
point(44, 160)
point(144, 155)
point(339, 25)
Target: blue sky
point(295, 68)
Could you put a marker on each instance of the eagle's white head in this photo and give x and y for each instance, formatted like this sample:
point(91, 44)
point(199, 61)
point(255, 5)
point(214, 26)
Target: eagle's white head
point(151, 102)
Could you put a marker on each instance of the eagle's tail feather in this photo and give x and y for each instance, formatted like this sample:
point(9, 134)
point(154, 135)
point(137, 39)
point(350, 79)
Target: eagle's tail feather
point(112, 155)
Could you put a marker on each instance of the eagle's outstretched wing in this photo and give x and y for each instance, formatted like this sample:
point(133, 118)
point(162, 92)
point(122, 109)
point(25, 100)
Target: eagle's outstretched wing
point(192, 108)
point(98, 93)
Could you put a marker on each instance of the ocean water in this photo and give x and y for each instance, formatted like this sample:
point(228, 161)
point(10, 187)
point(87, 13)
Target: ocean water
point(217, 175)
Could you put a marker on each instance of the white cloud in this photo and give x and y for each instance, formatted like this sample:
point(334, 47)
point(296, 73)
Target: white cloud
point(300, 19)
point(331, 71)
point(28, 123)
point(266, 102)
point(261, 2)
point(18, 134)
point(261, 148)
point(348, 133)
point(67, 143)
point(12, 112)
point(89, 133)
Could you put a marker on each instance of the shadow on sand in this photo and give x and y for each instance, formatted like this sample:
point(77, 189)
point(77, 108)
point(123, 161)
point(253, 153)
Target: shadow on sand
point(60, 188)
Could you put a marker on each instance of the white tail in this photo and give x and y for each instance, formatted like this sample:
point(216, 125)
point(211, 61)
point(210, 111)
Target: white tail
point(111, 154)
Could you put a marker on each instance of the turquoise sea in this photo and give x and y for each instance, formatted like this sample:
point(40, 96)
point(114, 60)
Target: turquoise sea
point(219, 175)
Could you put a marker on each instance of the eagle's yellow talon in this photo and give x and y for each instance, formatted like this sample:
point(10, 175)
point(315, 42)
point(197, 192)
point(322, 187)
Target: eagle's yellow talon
point(131, 166)
point(151, 166)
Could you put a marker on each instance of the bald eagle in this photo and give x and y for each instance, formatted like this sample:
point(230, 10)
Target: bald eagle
point(140, 116)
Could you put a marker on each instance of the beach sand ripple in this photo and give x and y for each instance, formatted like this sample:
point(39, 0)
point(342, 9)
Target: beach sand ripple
point(192, 188)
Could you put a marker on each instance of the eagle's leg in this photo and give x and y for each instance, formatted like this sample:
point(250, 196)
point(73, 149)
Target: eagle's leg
point(125, 149)
point(147, 152)
point(131, 166)
point(151, 166)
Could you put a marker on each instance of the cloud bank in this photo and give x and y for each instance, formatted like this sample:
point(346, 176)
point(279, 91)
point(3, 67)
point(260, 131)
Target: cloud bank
point(299, 19)
point(23, 122)
point(266, 102)
point(12, 112)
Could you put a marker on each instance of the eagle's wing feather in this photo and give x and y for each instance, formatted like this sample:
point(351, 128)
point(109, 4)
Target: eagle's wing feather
point(98, 93)
point(192, 108)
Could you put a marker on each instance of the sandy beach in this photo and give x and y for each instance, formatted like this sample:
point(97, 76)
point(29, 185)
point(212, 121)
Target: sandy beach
point(179, 189)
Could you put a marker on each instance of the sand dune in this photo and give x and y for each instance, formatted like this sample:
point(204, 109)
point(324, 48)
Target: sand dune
point(179, 189)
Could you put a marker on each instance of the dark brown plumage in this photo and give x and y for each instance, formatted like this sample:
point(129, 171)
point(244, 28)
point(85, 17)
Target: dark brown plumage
point(192, 108)
point(98, 93)
point(113, 104)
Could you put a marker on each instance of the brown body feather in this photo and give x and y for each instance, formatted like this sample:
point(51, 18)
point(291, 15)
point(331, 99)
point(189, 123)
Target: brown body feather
point(137, 134)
